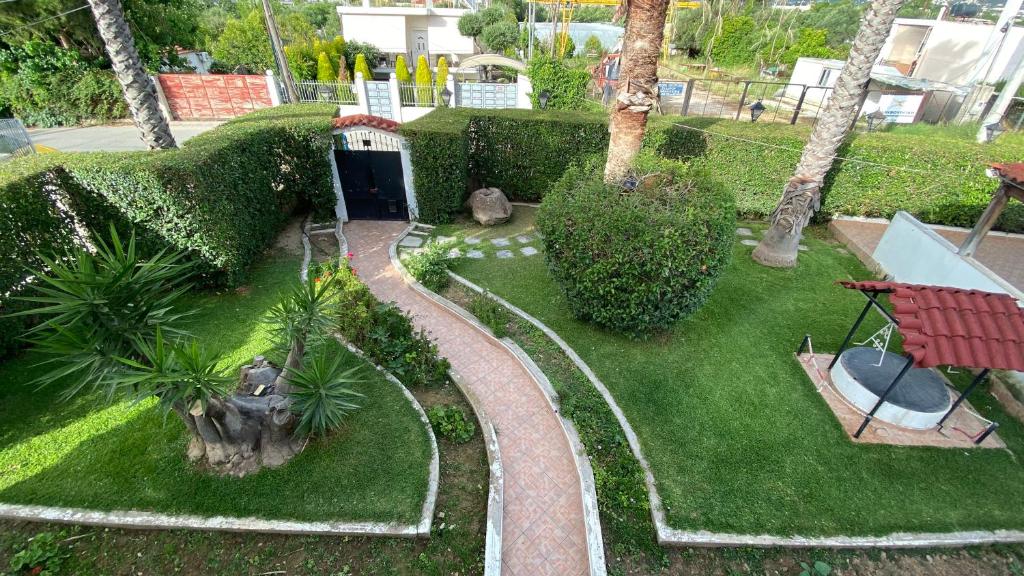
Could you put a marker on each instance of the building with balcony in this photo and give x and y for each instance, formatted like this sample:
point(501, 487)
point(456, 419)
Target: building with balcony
point(408, 27)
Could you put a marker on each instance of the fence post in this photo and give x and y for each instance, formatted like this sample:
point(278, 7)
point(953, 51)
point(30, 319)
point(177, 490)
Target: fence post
point(451, 88)
point(275, 94)
point(361, 100)
point(686, 97)
point(395, 94)
point(799, 105)
point(523, 89)
point(743, 97)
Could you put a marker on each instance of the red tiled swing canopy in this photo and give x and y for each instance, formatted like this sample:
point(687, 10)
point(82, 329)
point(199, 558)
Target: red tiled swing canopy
point(943, 326)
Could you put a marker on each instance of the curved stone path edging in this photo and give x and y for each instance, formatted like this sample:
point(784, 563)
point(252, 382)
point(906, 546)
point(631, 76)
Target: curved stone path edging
point(675, 537)
point(543, 529)
point(156, 520)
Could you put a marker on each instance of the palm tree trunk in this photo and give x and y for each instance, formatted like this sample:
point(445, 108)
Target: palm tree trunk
point(802, 194)
point(138, 87)
point(638, 85)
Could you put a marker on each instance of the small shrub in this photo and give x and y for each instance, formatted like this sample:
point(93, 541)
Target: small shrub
point(321, 394)
point(819, 568)
point(491, 314)
point(42, 556)
point(566, 86)
point(637, 261)
point(430, 265)
point(386, 335)
point(451, 423)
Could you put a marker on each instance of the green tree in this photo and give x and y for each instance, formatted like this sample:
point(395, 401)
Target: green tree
point(810, 43)
point(324, 70)
point(424, 90)
point(244, 43)
point(402, 70)
point(570, 47)
point(733, 46)
point(840, 19)
point(500, 37)
point(471, 24)
point(442, 73)
point(371, 54)
point(362, 68)
point(295, 28)
point(593, 46)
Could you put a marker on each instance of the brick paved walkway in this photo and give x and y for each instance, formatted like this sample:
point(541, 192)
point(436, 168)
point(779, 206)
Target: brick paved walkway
point(1000, 253)
point(543, 529)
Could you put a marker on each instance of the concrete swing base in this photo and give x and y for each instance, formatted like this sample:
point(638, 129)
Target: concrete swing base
point(957, 432)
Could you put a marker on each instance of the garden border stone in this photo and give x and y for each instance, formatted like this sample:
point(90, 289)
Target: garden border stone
point(669, 536)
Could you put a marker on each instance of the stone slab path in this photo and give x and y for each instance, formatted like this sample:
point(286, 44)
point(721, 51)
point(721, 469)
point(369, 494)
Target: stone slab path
point(543, 529)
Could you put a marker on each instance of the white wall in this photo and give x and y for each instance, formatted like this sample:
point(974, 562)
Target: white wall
point(951, 50)
point(385, 31)
point(808, 71)
point(443, 36)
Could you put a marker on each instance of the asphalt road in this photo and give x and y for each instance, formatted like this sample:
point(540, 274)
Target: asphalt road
point(113, 138)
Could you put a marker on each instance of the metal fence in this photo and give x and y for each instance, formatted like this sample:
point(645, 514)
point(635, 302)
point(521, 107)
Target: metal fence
point(426, 95)
point(336, 92)
point(14, 139)
point(787, 102)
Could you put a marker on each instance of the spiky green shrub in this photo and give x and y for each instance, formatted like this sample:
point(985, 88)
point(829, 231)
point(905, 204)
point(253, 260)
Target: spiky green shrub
point(320, 391)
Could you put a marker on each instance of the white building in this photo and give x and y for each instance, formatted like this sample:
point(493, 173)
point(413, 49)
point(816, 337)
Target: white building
point(944, 51)
point(409, 27)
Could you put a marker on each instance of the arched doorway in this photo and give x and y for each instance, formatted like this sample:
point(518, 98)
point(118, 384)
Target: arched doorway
point(373, 175)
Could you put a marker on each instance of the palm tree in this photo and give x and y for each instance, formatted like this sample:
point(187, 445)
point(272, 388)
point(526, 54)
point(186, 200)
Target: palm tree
point(802, 194)
point(138, 87)
point(638, 84)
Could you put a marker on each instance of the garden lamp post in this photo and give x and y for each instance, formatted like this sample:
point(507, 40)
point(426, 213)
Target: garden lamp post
point(446, 97)
point(543, 99)
point(756, 109)
point(875, 119)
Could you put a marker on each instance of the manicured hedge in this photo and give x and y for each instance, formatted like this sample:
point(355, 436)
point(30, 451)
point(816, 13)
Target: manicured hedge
point(524, 152)
point(637, 262)
point(222, 197)
point(947, 184)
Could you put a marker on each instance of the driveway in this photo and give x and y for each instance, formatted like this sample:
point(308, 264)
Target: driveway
point(111, 138)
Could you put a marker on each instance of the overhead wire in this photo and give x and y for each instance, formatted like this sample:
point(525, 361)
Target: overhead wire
point(37, 22)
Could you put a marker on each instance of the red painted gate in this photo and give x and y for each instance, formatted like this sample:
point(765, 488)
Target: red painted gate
point(214, 96)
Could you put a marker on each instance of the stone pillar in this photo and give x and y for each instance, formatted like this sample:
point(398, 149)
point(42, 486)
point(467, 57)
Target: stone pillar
point(523, 90)
point(361, 100)
point(451, 88)
point(396, 98)
point(410, 190)
point(275, 94)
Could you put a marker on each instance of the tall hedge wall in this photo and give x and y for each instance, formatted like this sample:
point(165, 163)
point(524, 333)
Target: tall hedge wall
point(222, 196)
point(524, 152)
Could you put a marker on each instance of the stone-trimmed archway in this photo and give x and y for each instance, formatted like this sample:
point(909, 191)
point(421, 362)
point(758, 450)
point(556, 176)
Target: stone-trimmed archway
point(380, 126)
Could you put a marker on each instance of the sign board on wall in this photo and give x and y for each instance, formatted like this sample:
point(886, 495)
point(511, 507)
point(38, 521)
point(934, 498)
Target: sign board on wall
point(671, 94)
point(898, 108)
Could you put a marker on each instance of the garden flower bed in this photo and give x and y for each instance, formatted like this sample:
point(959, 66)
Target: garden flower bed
point(738, 438)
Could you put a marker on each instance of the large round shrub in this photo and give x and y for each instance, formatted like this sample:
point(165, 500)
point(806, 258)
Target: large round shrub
point(637, 261)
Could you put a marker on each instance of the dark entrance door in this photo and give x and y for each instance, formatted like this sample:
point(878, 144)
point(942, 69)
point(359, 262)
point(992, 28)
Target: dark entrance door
point(371, 177)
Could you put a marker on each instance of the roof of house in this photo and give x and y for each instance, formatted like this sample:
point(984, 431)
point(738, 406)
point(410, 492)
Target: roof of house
point(365, 121)
point(953, 326)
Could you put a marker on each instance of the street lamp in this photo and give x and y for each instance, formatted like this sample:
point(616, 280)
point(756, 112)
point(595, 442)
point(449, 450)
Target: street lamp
point(993, 130)
point(446, 97)
point(875, 119)
point(756, 109)
point(543, 99)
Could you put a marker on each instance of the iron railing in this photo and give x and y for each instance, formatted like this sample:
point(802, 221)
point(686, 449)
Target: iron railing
point(425, 95)
point(336, 92)
point(14, 139)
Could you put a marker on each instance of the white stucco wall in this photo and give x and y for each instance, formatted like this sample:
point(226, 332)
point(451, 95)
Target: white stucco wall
point(808, 71)
point(443, 36)
point(385, 31)
point(951, 50)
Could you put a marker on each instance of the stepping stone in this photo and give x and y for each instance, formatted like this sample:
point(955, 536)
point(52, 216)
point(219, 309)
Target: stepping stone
point(500, 241)
point(504, 254)
point(749, 242)
point(411, 242)
point(744, 232)
point(842, 250)
point(475, 254)
point(443, 239)
point(419, 232)
point(802, 248)
point(523, 239)
point(454, 253)
point(472, 240)
point(528, 251)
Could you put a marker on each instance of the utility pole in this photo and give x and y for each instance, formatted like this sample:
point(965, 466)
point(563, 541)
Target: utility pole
point(279, 57)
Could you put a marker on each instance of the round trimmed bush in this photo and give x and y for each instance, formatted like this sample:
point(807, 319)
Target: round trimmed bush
point(637, 261)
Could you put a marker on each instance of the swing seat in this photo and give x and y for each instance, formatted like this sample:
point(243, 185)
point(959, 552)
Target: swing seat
point(918, 402)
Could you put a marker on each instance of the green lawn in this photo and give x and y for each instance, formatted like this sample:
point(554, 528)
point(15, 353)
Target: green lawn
point(737, 436)
point(89, 454)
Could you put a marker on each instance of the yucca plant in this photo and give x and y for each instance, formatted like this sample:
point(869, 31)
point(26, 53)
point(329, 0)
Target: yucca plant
point(305, 317)
point(320, 391)
point(102, 307)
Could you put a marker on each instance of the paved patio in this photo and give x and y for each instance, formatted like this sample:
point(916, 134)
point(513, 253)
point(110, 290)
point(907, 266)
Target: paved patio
point(543, 528)
point(1000, 252)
